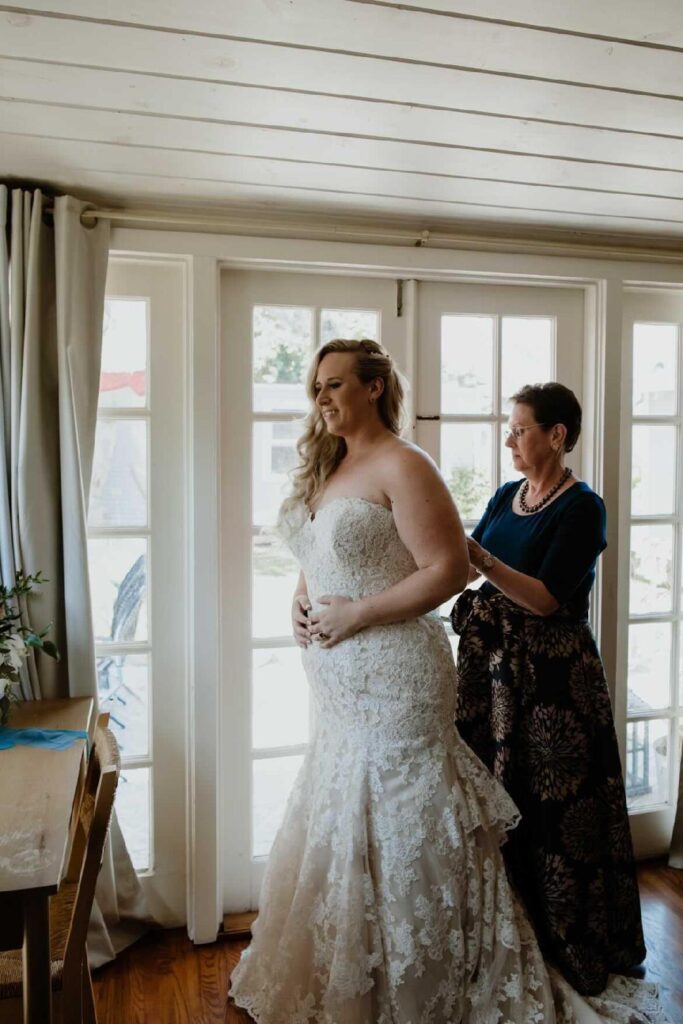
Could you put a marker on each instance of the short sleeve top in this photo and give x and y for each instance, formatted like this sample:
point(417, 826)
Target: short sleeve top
point(558, 545)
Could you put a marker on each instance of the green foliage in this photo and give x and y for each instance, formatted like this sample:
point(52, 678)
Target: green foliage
point(283, 365)
point(18, 638)
point(468, 486)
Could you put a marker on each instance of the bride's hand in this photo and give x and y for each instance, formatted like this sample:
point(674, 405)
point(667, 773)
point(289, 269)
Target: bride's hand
point(300, 609)
point(337, 622)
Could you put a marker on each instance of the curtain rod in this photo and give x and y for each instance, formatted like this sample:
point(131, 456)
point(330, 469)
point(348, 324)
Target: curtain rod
point(413, 236)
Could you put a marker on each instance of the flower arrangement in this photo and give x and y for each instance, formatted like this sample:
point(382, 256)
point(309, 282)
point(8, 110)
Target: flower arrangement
point(16, 639)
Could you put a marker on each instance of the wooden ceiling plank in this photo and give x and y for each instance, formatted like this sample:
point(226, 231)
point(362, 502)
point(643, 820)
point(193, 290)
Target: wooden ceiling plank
point(129, 49)
point(96, 186)
point(300, 178)
point(660, 24)
point(206, 103)
point(134, 130)
point(393, 33)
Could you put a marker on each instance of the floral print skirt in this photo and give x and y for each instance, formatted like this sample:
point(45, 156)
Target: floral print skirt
point(532, 702)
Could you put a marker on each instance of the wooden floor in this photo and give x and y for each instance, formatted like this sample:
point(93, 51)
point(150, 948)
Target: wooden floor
point(164, 979)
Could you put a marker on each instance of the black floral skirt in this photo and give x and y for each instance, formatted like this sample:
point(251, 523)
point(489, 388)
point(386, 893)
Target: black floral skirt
point(533, 704)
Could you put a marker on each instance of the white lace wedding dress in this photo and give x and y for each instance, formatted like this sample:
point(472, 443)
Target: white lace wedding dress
point(385, 899)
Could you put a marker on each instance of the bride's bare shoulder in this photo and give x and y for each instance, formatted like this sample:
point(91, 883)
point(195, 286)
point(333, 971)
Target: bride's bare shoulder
point(402, 458)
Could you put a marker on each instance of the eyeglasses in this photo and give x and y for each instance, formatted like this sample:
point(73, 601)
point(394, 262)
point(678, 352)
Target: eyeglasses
point(518, 432)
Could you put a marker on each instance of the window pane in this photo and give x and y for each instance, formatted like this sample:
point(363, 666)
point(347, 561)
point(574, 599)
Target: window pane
point(653, 470)
point(466, 465)
point(467, 364)
point(118, 493)
point(274, 456)
point(651, 568)
point(647, 763)
point(123, 684)
point(649, 665)
point(118, 588)
point(353, 324)
point(527, 353)
point(655, 369)
point(123, 374)
point(275, 572)
point(283, 344)
point(133, 811)
point(272, 781)
point(507, 466)
point(280, 698)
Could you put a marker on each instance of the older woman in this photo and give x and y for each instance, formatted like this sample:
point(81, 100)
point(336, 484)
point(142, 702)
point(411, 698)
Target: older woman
point(532, 698)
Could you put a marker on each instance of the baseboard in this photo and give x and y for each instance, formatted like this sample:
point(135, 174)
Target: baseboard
point(237, 926)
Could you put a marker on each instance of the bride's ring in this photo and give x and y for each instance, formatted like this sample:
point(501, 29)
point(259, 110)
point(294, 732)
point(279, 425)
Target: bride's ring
point(323, 636)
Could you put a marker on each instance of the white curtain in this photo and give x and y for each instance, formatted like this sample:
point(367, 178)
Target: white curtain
point(52, 280)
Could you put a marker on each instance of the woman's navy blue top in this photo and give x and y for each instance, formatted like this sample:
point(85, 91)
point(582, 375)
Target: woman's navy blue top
point(558, 545)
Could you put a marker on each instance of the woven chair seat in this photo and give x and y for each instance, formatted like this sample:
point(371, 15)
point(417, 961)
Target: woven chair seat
point(11, 971)
point(61, 912)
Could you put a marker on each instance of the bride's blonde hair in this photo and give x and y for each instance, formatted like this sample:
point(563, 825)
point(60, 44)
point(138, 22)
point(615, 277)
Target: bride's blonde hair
point(321, 452)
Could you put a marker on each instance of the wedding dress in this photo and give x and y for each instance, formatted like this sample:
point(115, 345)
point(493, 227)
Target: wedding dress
point(385, 900)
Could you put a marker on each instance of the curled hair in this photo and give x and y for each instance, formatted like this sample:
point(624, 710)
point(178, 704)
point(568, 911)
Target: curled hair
point(320, 452)
point(553, 403)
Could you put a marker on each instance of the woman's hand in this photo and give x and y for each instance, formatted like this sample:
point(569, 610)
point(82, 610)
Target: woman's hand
point(340, 620)
point(476, 553)
point(300, 608)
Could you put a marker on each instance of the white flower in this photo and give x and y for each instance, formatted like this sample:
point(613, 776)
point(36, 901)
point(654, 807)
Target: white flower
point(13, 651)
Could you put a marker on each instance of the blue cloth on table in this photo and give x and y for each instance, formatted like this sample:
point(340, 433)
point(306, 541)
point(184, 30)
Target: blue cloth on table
point(53, 739)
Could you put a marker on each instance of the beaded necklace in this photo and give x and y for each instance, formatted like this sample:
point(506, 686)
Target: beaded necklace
point(524, 490)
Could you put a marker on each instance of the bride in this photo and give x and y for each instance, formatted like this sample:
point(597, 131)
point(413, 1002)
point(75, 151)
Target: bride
point(385, 899)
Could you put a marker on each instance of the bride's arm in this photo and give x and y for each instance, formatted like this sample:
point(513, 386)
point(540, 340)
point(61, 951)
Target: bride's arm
point(429, 526)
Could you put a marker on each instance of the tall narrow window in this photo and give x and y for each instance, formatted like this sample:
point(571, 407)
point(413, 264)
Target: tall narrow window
point(656, 546)
point(118, 548)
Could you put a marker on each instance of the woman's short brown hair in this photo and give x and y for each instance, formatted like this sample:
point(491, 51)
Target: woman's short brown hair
point(553, 403)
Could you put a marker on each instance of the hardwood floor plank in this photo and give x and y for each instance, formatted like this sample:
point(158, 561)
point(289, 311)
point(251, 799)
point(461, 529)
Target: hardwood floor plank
point(165, 979)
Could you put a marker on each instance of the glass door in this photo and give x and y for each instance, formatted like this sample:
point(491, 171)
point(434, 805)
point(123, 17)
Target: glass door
point(136, 553)
point(273, 323)
point(653, 634)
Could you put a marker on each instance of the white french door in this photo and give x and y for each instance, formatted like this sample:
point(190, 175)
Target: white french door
point(478, 344)
point(474, 345)
point(652, 585)
point(136, 548)
point(272, 324)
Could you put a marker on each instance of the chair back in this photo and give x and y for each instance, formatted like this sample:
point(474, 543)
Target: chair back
point(96, 818)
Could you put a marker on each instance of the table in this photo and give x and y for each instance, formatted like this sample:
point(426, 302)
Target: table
point(39, 802)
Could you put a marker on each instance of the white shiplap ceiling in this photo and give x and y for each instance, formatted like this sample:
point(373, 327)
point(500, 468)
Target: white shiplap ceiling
point(507, 114)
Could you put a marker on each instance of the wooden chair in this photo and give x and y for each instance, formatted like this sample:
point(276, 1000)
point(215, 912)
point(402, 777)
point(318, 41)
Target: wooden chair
point(72, 991)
